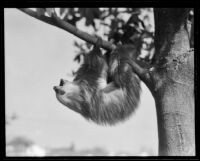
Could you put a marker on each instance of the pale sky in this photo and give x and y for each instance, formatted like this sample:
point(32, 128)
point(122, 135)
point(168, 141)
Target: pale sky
point(37, 55)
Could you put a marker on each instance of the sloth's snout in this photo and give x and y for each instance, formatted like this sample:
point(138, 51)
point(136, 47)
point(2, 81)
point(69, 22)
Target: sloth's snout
point(59, 90)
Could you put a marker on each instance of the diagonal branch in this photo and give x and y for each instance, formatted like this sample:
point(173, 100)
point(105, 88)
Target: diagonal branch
point(56, 21)
point(143, 73)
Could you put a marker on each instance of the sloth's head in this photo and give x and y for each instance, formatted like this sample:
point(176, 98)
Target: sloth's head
point(69, 94)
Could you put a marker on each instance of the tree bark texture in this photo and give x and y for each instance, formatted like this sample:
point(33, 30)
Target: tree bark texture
point(174, 83)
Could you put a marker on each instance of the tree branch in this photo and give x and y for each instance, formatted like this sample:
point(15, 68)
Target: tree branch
point(143, 73)
point(56, 21)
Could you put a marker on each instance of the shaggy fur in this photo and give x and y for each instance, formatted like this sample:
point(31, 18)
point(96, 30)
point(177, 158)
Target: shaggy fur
point(96, 99)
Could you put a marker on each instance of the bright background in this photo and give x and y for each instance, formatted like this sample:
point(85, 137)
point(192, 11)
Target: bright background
point(37, 55)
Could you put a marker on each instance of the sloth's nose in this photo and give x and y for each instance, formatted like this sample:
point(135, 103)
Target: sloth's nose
point(59, 90)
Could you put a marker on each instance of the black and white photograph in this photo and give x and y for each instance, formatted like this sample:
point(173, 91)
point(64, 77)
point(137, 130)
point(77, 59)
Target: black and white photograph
point(108, 81)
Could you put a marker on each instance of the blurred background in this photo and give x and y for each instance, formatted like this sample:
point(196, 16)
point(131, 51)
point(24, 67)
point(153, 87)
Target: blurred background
point(37, 55)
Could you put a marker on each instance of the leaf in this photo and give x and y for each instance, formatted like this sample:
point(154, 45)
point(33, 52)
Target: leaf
point(50, 11)
point(71, 16)
point(40, 11)
point(74, 20)
point(90, 14)
point(62, 10)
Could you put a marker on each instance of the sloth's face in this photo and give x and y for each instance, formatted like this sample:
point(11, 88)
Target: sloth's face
point(68, 93)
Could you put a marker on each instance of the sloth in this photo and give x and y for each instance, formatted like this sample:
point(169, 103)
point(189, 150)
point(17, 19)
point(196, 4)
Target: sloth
point(105, 89)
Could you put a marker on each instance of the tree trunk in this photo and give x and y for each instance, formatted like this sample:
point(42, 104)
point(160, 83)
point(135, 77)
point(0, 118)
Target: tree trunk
point(174, 83)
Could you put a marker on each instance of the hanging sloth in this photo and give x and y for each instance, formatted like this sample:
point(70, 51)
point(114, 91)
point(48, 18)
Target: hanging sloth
point(104, 90)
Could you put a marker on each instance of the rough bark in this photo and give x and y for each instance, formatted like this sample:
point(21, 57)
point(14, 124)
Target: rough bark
point(174, 83)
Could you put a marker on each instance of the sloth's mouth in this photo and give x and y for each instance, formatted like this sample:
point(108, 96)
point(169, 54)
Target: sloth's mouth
point(59, 90)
